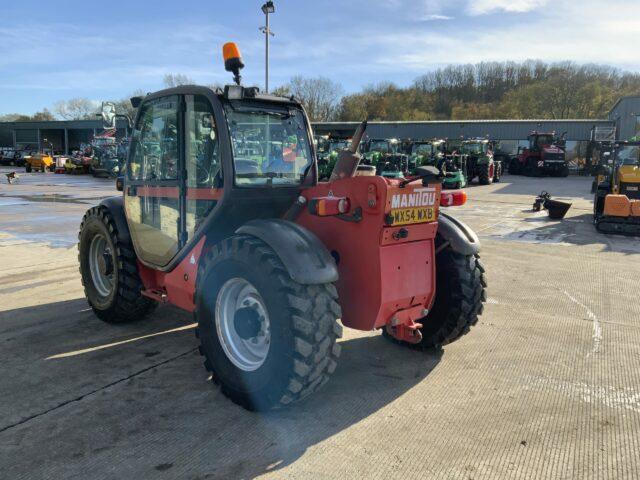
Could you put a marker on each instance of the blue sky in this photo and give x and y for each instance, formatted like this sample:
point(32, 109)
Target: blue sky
point(56, 50)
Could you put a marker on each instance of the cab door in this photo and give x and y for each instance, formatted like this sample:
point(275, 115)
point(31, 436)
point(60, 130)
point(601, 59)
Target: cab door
point(152, 193)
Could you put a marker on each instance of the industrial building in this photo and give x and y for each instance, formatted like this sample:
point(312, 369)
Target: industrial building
point(624, 116)
point(62, 136)
point(65, 136)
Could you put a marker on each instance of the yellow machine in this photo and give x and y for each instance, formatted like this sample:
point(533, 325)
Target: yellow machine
point(39, 162)
point(616, 206)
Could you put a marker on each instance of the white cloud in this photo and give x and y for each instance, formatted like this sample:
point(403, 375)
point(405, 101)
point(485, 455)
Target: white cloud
point(435, 16)
point(481, 7)
point(552, 34)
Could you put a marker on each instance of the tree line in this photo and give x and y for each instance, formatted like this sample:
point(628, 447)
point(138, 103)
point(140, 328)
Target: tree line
point(487, 90)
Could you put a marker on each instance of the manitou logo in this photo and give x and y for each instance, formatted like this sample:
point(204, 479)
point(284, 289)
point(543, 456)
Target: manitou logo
point(420, 197)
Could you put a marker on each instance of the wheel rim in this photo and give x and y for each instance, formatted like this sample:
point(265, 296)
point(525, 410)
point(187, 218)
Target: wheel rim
point(242, 324)
point(101, 265)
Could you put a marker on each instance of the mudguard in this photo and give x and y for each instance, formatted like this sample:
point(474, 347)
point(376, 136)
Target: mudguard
point(115, 205)
point(457, 234)
point(304, 256)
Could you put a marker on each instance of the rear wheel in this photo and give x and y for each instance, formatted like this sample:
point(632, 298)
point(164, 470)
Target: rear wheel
point(460, 294)
point(109, 271)
point(485, 173)
point(27, 168)
point(267, 340)
point(498, 173)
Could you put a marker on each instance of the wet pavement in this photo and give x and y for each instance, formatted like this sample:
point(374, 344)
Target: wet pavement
point(546, 385)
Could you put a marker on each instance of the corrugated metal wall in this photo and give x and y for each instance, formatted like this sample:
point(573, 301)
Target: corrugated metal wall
point(496, 129)
point(626, 115)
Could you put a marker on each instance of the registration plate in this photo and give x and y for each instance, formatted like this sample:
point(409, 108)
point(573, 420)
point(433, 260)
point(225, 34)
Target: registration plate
point(408, 216)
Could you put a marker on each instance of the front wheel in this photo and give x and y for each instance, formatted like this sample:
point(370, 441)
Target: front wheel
point(27, 168)
point(109, 271)
point(267, 340)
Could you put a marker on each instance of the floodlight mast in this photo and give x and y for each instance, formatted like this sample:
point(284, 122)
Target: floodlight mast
point(267, 8)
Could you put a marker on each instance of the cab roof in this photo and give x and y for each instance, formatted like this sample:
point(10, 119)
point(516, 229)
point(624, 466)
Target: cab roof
point(253, 93)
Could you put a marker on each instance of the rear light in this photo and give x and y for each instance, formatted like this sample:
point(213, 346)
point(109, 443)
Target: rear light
point(453, 199)
point(328, 206)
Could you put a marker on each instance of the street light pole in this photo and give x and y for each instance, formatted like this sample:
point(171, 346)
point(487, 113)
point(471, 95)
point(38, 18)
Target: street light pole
point(267, 8)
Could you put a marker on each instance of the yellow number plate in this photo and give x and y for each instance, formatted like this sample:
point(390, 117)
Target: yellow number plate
point(407, 216)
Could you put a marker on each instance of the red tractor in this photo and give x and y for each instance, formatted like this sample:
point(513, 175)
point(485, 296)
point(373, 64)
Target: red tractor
point(545, 155)
point(223, 216)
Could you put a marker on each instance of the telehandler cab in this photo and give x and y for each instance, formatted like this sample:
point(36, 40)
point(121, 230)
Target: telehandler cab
point(222, 215)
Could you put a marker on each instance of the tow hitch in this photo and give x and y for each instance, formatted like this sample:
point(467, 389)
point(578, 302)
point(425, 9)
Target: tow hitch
point(403, 326)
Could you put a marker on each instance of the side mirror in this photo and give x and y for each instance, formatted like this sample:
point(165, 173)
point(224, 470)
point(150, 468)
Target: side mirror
point(120, 183)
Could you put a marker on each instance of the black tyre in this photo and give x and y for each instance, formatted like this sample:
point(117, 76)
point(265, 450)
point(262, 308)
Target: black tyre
point(486, 172)
point(459, 299)
point(27, 168)
point(514, 167)
point(532, 169)
point(498, 173)
point(267, 340)
point(564, 172)
point(109, 270)
point(460, 294)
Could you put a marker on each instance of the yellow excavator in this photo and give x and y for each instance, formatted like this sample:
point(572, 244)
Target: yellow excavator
point(616, 206)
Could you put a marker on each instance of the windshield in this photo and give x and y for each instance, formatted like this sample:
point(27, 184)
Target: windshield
point(421, 149)
point(541, 140)
point(473, 148)
point(270, 147)
point(381, 146)
point(340, 145)
point(628, 155)
point(322, 144)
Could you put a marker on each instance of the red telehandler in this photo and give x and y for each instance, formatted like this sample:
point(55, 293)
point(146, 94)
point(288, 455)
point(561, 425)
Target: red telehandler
point(223, 216)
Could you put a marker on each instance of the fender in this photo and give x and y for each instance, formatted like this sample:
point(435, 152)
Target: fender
point(304, 256)
point(462, 239)
point(115, 205)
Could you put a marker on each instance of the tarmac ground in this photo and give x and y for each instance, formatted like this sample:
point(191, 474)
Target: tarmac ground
point(547, 385)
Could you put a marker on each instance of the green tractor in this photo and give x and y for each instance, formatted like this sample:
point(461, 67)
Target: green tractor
point(436, 153)
point(328, 157)
point(481, 162)
point(453, 162)
point(386, 156)
point(422, 153)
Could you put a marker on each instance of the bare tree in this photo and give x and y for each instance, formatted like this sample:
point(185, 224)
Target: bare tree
point(76, 109)
point(42, 116)
point(177, 79)
point(319, 96)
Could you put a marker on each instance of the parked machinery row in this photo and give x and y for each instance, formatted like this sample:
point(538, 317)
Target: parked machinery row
point(103, 157)
point(464, 160)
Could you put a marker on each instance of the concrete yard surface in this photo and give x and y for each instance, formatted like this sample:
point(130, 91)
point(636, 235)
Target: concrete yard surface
point(547, 385)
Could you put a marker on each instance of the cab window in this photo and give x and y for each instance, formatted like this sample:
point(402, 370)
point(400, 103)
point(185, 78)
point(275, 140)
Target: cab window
point(270, 147)
point(155, 141)
point(203, 166)
point(151, 197)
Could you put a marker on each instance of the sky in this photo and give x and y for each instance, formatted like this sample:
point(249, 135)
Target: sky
point(57, 50)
